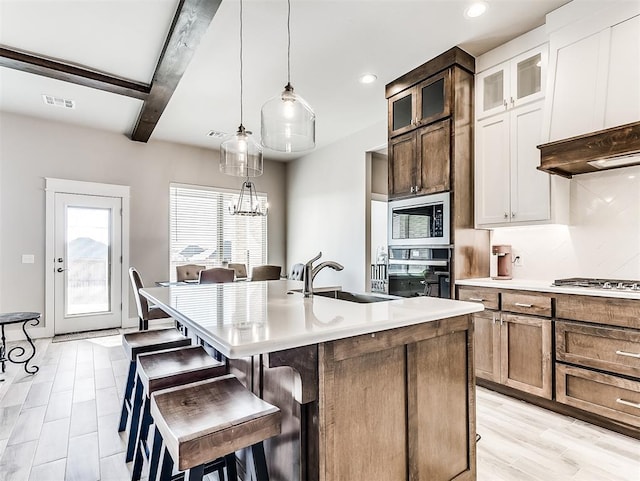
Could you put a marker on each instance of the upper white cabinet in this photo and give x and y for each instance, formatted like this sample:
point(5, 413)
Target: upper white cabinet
point(512, 83)
point(594, 73)
point(509, 188)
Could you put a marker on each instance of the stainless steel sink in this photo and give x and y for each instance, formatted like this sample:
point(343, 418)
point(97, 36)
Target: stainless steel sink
point(354, 297)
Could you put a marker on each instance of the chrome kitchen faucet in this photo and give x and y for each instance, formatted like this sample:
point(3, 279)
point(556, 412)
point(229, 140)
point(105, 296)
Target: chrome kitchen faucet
point(311, 272)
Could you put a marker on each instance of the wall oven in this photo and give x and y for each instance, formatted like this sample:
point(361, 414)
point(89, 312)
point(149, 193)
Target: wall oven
point(419, 271)
point(419, 221)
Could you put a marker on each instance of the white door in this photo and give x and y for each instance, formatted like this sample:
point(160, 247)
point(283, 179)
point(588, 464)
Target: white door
point(88, 262)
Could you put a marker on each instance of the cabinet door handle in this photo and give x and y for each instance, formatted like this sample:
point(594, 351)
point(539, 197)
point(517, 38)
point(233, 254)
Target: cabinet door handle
point(506, 215)
point(513, 214)
point(628, 354)
point(506, 105)
point(501, 321)
point(520, 304)
point(477, 299)
point(412, 189)
point(628, 403)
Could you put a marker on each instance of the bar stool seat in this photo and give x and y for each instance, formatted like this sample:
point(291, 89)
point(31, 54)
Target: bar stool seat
point(135, 343)
point(161, 370)
point(203, 421)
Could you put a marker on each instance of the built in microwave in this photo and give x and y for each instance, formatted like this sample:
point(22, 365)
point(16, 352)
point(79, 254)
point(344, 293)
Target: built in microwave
point(419, 221)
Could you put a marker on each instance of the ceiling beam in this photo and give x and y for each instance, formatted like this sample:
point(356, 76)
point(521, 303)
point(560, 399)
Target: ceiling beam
point(60, 71)
point(189, 25)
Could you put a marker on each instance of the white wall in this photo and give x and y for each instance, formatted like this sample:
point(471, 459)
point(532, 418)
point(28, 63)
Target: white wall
point(327, 194)
point(603, 239)
point(32, 149)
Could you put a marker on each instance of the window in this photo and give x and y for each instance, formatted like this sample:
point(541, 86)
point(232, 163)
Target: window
point(202, 231)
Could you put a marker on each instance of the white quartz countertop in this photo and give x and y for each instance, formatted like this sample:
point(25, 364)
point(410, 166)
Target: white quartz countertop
point(243, 319)
point(545, 286)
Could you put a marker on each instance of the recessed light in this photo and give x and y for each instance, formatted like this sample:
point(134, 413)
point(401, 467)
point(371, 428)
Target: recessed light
point(368, 78)
point(476, 9)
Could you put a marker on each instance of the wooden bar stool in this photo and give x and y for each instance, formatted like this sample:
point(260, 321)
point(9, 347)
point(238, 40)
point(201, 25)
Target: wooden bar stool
point(162, 370)
point(210, 420)
point(136, 343)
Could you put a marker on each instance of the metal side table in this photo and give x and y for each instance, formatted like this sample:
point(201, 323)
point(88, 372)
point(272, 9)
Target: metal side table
point(16, 353)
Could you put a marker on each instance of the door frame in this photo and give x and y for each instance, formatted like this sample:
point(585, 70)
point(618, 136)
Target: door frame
point(62, 186)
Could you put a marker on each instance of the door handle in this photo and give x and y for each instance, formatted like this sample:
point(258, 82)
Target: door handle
point(60, 269)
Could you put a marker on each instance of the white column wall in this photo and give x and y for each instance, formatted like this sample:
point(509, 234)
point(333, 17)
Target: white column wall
point(327, 193)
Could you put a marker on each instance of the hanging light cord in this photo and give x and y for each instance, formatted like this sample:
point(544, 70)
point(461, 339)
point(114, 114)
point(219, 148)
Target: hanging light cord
point(241, 76)
point(288, 42)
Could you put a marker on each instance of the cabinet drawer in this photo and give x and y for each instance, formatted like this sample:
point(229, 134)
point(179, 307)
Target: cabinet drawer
point(488, 297)
point(526, 303)
point(607, 395)
point(615, 350)
point(599, 310)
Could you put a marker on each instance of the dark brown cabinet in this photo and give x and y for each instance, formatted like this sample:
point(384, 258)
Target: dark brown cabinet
point(421, 104)
point(421, 161)
point(591, 372)
point(513, 345)
point(430, 149)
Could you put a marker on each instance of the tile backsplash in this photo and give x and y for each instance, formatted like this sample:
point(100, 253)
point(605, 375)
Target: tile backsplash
point(602, 240)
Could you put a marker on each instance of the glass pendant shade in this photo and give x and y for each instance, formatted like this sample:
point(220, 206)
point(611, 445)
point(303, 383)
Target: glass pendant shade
point(288, 123)
point(241, 155)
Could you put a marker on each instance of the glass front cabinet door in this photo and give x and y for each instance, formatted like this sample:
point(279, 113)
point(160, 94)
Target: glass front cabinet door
point(421, 104)
point(512, 83)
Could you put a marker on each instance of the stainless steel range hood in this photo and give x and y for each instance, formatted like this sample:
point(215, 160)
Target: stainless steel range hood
point(602, 150)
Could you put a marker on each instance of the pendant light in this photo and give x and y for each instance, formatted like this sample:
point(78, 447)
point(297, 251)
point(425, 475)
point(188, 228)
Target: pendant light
point(288, 122)
point(240, 154)
point(248, 203)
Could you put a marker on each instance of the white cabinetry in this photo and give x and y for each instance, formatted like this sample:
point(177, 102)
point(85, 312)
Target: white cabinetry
point(594, 73)
point(512, 83)
point(509, 188)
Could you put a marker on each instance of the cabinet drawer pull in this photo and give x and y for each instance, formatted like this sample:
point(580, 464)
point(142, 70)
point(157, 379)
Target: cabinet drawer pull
point(628, 403)
point(628, 354)
point(520, 304)
point(477, 299)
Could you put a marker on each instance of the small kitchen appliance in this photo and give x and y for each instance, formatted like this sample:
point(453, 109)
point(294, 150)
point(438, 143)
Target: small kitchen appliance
point(504, 263)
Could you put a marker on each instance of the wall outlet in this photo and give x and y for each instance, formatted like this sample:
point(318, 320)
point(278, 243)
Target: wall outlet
point(517, 261)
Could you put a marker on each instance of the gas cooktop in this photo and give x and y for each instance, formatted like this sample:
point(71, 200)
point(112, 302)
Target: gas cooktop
point(616, 284)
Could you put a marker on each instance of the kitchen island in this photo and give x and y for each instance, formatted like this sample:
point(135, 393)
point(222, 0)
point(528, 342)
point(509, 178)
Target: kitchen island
point(380, 390)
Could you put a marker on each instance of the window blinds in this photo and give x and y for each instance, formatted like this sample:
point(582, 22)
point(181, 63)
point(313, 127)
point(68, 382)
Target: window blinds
point(203, 232)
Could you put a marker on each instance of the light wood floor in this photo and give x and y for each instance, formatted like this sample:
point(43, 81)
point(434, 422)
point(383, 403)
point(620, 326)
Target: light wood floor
point(61, 424)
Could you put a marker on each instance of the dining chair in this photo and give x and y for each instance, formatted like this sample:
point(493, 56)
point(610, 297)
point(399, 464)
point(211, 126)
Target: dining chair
point(216, 275)
point(265, 273)
point(297, 272)
point(240, 269)
point(188, 272)
point(145, 313)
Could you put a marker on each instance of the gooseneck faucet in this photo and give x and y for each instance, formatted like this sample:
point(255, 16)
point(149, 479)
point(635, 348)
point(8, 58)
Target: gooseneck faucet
point(311, 272)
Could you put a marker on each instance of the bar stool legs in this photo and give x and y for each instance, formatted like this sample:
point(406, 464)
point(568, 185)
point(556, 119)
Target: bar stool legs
point(126, 403)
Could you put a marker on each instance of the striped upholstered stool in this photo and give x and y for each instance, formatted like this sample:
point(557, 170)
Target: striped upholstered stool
point(161, 370)
point(141, 342)
point(206, 421)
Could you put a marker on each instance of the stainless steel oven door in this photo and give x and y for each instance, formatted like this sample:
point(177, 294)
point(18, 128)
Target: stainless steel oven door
point(420, 221)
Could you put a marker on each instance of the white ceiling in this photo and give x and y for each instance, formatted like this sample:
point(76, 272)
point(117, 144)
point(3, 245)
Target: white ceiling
point(333, 43)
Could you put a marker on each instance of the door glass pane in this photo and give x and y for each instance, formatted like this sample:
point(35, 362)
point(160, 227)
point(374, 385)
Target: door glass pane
point(529, 76)
point(493, 89)
point(402, 112)
point(433, 99)
point(88, 241)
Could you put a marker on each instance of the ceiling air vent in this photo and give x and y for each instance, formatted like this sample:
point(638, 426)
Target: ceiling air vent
point(216, 134)
point(58, 102)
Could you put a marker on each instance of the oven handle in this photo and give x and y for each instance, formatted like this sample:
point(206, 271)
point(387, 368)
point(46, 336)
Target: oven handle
point(439, 262)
